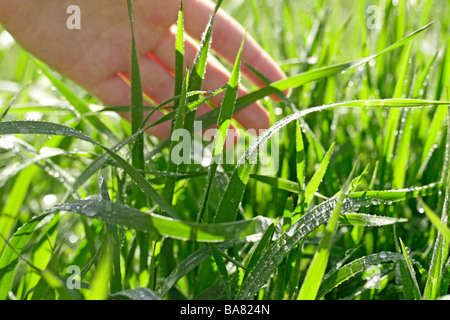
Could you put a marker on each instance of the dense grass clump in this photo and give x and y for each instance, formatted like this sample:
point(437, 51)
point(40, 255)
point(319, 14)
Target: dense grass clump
point(354, 203)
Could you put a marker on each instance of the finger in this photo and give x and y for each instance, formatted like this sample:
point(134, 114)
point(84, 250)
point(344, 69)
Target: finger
point(227, 38)
point(253, 117)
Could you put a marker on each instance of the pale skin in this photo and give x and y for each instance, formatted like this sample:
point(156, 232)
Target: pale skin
point(95, 55)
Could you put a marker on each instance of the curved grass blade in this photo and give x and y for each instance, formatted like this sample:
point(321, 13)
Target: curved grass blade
point(11, 208)
point(117, 214)
point(353, 268)
point(199, 67)
point(48, 128)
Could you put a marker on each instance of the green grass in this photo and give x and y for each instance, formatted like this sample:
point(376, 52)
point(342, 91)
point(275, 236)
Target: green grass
point(82, 187)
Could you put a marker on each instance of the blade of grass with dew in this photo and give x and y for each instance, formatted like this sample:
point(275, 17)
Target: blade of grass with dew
point(98, 163)
point(411, 281)
point(190, 263)
point(282, 184)
point(75, 101)
point(435, 220)
point(99, 289)
point(293, 187)
point(444, 71)
point(262, 245)
point(199, 67)
point(210, 118)
point(300, 161)
point(311, 220)
point(13, 169)
point(221, 267)
point(432, 287)
point(4, 111)
point(181, 84)
point(223, 125)
point(367, 220)
point(315, 181)
point(16, 197)
point(392, 134)
point(319, 262)
point(354, 268)
point(130, 218)
point(137, 110)
point(48, 128)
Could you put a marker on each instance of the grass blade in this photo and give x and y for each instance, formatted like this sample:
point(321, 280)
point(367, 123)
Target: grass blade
point(229, 202)
point(432, 287)
point(137, 110)
point(310, 76)
point(354, 268)
point(412, 280)
point(139, 294)
point(117, 214)
point(223, 125)
point(316, 269)
point(313, 185)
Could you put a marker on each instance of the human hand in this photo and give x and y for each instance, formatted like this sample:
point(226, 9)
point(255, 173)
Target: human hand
point(95, 55)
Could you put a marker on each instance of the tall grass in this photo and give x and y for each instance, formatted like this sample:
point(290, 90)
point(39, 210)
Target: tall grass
point(81, 189)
